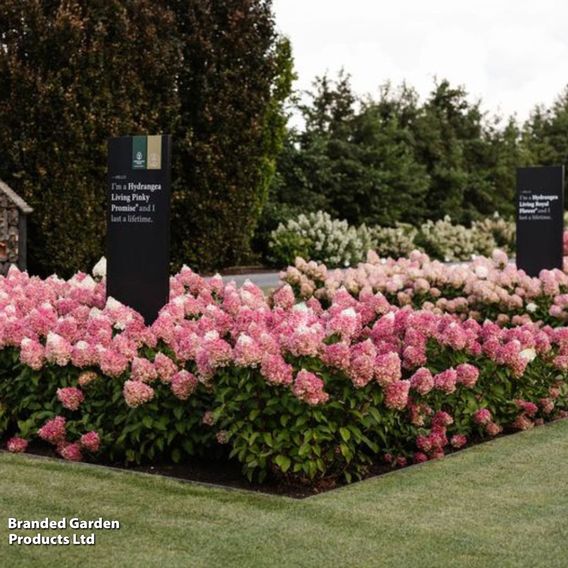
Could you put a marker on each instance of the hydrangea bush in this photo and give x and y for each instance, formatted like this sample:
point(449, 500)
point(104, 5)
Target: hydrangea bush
point(301, 391)
point(452, 243)
point(320, 238)
point(486, 288)
point(393, 241)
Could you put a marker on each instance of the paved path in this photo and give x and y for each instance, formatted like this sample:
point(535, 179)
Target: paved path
point(261, 279)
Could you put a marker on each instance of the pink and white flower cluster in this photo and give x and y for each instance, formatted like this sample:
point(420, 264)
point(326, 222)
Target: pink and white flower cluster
point(54, 432)
point(485, 287)
point(209, 325)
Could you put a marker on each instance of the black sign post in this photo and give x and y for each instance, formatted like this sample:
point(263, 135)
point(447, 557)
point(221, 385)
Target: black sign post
point(540, 218)
point(138, 222)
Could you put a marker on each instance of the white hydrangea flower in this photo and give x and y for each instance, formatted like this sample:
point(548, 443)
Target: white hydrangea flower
point(531, 307)
point(112, 303)
point(528, 354)
point(100, 269)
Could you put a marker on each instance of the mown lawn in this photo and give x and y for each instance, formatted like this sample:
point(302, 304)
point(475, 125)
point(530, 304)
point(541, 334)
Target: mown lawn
point(504, 503)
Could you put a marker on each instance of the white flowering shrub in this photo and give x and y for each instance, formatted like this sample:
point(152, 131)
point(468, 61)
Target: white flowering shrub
point(395, 241)
point(451, 243)
point(319, 237)
point(503, 231)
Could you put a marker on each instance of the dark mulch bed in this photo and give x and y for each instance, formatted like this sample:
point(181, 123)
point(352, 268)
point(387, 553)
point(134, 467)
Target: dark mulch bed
point(227, 473)
point(220, 472)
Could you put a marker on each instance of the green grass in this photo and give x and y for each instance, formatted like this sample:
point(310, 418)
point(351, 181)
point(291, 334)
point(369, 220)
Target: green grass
point(503, 503)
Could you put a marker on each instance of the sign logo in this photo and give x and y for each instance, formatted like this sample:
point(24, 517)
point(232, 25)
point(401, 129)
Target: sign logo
point(154, 152)
point(147, 152)
point(139, 152)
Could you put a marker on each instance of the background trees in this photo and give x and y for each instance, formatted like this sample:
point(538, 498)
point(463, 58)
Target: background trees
point(395, 158)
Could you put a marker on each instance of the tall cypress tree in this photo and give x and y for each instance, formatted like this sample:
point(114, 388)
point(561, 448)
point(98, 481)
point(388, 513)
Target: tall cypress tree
point(235, 77)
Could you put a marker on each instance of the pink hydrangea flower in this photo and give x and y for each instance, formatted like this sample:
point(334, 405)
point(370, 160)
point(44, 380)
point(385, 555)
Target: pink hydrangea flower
point(309, 388)
point(304, 340)
point(112, 363)
point(446, 381)
point(347, 324)
point(418, 412)
point(32, 353)
point(482, 416)
point(275, 369)
point(467, 375)
point(422, 381)
point(284, 297)
point(70, 397)
point(414, 356)
point(183, 384)
point(208, 418)
point(433, 443)
point(529, 408)
point(53, 431)
point(57, 349)
point(86, 378)
point(82, 354)
point(213, 353)
point(137, 393)
point(424, 443)
point(143, 370)
point(338, 355)
point(90, 441)
point(387, 368)
point(454, 336)
point(247, 352)
point(165, 367)
point(523, 422)
point(442, 419)
point(222, 437)
point(561, 362)
point(362, 365)
point(420, 457)
point(547, 405)
point(458, 441)
point(492, 428)
point(401, 461)
point(16, 445)
point(396, 394)
point(70, 452)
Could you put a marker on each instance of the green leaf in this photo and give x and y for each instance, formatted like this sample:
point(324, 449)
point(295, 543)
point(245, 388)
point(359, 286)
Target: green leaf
point(346, 451)
point(304, 450)
point(345, 434)
point(283, 462)
point(267, 439)
point(375, 414)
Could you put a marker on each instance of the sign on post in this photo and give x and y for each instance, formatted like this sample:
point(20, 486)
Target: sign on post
point(138, 222)
point(540, 218)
